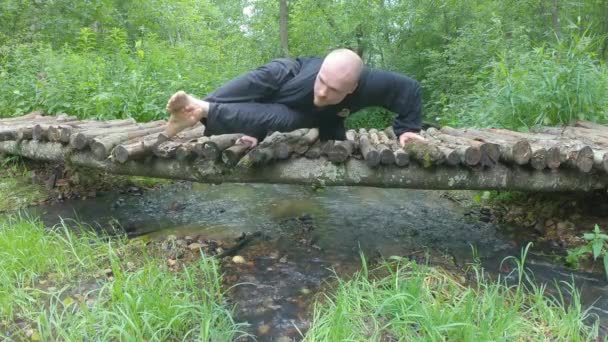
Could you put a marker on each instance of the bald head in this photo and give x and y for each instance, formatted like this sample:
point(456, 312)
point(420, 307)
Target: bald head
point(338, 77)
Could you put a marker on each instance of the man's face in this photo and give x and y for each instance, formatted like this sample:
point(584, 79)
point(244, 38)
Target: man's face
point(331, 88)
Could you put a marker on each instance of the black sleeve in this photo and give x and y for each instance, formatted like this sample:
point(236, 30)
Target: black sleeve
point(257, 84)
point(397, 93)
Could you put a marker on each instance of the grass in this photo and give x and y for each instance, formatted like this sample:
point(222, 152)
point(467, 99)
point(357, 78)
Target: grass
point(16, 187)
point(67, 283)
point(56, 284)
point(412, 302)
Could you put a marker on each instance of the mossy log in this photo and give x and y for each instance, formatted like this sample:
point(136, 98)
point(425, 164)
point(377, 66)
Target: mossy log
point(320, 171)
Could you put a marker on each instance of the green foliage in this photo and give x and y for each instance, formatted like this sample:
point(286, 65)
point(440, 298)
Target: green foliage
point(510, 63)
point(543, 86)
point(378, 118)
point(405, 301)
point(17, 190)
point(597, 246)
point(48, 282)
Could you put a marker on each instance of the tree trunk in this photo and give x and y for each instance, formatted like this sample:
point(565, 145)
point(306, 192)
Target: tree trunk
point(320, 171)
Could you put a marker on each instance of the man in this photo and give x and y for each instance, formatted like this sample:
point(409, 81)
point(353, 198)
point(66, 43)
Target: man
point(287, 94)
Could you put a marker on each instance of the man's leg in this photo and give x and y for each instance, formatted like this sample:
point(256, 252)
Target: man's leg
point(253, 86)
point(252, 119)
point(255, 119)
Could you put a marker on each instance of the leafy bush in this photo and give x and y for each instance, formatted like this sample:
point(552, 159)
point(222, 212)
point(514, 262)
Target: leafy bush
point(547, 85)
point(597, 246)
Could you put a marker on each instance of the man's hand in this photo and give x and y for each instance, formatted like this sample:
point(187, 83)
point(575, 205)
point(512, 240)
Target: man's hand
point(247, 140)
point(406, 137)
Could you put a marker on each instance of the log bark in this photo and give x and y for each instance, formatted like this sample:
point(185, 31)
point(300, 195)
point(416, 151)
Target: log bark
point(467, 155)
point(425, 152)
point(274, 146)
point(82, 139)
point(577, 133)
point(314, 152)
point(13, 131)
point(65, 131)
point(513, 149)
point(26, 117)
point(135, 149)
point(591, 125)
point(600, 161)
point(306, 141)
point(490, 152)
point(102, 146)
point(212, 149)
point(368, 151)
point(319, 171)
point(233, 154)
point(190, 133)
point(168, 149)
point(386, 154)
point(341, 151)
point(185, 151)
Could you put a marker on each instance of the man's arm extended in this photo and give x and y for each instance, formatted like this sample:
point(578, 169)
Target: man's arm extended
point(397, 93)
point(257, 84)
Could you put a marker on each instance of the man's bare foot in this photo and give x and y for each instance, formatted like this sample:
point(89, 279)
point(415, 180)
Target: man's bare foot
point(186, 111)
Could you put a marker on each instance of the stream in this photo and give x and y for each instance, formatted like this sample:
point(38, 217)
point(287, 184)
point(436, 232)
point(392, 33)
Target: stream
point(307, 236)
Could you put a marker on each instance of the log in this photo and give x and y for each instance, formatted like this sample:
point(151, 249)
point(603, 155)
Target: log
point(451, 156)
point(577, 133)
point(368, 151)
point(591, 125)
point(513, 148)
point(102, 146)
point(314, 151)
point(168, 149)
point(538, 160)
point(190, 133)
point(82, 139)
point(318, 171)
point(20, 130)
point(306, 141)
point(185, 151)
point(578, 156)
point(212, 149)
point(386, 154)
point(341, 151)
point(467, 154)
point(64, 132)
point(490, 152)
point(232, 155)
point(600, 161)
point(425, 152)
point(198, 146)
point(135, 149)
point(277, 145)
point(27, 117)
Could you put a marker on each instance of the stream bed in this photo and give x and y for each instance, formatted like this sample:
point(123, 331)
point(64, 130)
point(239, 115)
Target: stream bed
point(306, 236)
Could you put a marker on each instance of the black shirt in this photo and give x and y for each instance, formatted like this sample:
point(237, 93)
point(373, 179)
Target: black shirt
point(291, 82)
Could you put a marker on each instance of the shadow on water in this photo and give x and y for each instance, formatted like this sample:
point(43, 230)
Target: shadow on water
point(308, 234)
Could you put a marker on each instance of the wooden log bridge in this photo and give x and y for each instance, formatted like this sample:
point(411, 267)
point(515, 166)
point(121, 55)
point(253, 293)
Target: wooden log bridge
point(572, 158)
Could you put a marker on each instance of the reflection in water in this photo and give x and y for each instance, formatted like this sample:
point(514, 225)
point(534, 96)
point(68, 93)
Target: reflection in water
point(309, 233)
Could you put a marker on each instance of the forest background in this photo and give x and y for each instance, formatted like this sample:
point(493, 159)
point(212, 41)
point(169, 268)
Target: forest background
point(512, 63)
